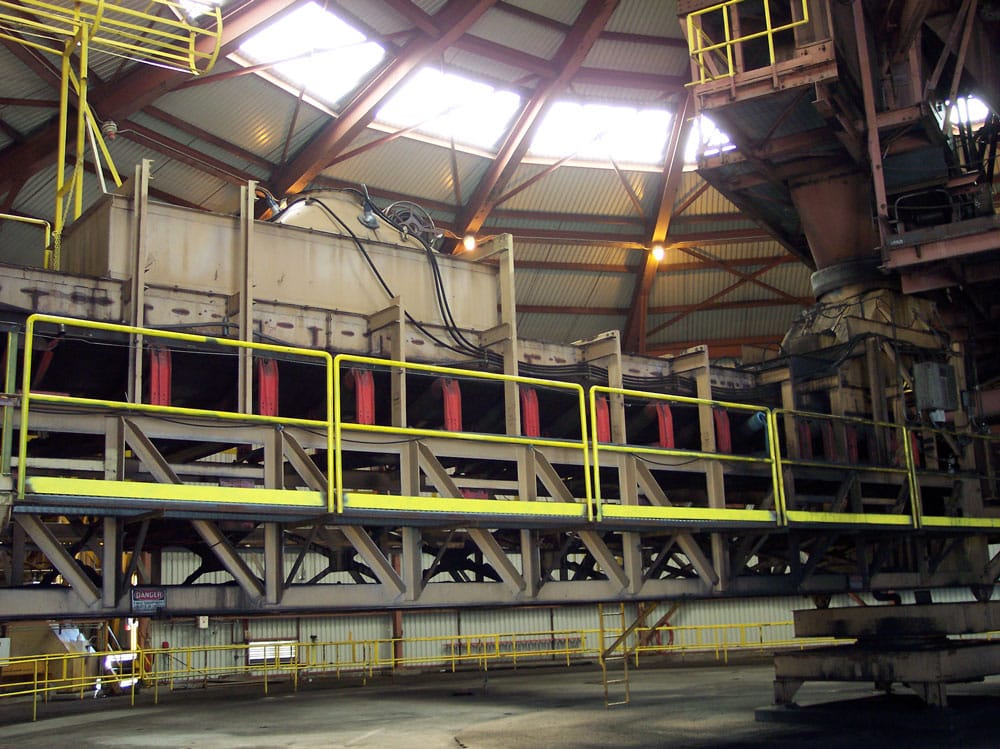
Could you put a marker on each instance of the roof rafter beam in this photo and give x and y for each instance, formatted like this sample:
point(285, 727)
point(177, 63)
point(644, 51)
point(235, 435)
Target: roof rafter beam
point(452, 21)
point(421, 20)
point(570, 56)
point(673, 170)
point(664, 267)
point(185, 154)
point(719, 346)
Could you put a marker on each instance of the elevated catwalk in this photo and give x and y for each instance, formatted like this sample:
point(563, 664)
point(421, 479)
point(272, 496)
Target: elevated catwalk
point(256, 393)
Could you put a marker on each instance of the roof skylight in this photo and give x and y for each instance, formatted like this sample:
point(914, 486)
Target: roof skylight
point(705, 139)
point(599, 132)
point(315, 50)
point(450, 106)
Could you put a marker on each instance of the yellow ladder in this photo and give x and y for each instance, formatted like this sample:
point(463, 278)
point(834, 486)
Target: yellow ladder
point(613, 653)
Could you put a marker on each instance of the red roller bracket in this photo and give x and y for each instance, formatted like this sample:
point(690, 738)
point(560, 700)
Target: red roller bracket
point(451, 398)
point(267, 387)
point(160, 368)
point(664, 424)
point(723, 434)
point(363, 383)
point(530, 421)
point(603, 415)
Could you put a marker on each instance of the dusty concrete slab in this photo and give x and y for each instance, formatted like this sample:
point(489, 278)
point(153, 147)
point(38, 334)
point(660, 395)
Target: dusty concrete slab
point(682, 707)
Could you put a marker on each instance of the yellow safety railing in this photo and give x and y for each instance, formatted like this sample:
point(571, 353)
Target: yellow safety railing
point(159, 31)
point(82, 674)
point(889, 454)
point(703, 49)
point(722, 639)
point(768, 459)
point(47, 251)
point(85, 674)
point(965, 449)
point(458, 504)
point(130, 489)
point(887, 450)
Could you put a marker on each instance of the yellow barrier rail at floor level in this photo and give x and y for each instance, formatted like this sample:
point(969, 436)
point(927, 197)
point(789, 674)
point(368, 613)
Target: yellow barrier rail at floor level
point(86, 674)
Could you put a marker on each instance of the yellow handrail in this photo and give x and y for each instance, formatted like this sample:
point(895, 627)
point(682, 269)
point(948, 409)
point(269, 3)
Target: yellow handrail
point(696, 37)
point(900, 463)
point(903, 467)
point(84, 673)
point(27, 396)
point(958, 441)
point(35, 222)
point(769, 459)
point(339, 425)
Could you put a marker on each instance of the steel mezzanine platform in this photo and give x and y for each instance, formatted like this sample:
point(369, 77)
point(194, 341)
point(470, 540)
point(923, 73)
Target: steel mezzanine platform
point(509, 518)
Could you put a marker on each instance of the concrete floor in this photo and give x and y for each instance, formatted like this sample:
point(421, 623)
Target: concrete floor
point(687, 706)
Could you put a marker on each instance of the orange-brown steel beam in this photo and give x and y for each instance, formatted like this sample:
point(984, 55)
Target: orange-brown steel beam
point(718, 347)
point(452, 21)
point(635, 325)
point(574, 49)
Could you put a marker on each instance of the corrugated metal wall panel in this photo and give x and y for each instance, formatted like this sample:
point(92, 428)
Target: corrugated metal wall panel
point(430, 633)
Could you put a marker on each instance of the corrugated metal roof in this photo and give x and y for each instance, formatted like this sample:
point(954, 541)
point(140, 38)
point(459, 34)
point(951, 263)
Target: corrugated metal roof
point(563, 11)
point(164, 148)
point(21, 244)
point(583, 289)
point(377, 16)
point(21, 83)
point(722, 324)
point(534, 38)
point(565, 328)
point(579, 190)
point(258, 114)
point(643, 58)
point(690, 287)
point(176, 178)
point(498, 73)
point(710, 201)
point(635, 97)
point(655, 19)
point(570, 253)
point(38, 196)
point(412, 167)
